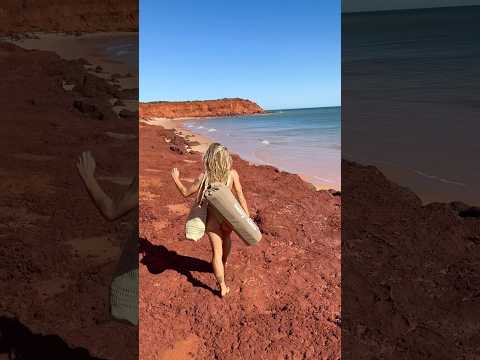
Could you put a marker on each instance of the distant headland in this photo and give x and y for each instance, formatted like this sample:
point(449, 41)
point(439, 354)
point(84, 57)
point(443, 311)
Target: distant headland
point(200, 108)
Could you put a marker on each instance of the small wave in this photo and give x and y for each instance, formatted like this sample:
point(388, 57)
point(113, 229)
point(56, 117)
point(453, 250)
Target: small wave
point(418, 172)
point(266, 142)
point(212, 130)
point(434, 177)
point(200, 127)
point(189, 126)
point(323, 179)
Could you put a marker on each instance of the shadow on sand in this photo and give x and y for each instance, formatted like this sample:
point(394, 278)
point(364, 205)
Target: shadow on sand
point(157, 259)
point(20, 343)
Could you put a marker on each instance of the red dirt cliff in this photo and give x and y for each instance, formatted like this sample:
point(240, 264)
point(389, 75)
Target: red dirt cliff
point(68, 15)
point(221, 107)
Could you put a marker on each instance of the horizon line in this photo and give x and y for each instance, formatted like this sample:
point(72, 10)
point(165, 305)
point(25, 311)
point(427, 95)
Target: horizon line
point(441, 7)
point(302, 108)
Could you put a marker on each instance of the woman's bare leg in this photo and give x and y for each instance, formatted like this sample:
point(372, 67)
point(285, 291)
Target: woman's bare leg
point(217, 264)
point(226, 246)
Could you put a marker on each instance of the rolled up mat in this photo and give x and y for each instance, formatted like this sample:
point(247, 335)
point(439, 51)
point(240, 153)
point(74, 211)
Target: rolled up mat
point(124, 287)
point(195, 225)
point(124, 297)
point(221, 198)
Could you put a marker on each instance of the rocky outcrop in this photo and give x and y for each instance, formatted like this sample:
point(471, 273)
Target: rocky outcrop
point(410, 275)
point(68, 16)
point(205, 108)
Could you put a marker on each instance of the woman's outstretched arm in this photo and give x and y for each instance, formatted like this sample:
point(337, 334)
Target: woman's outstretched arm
point(239, 190)
point(186, 191)
point(109, 208)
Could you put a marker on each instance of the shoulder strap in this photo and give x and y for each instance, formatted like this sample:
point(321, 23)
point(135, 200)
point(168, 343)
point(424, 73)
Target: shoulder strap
point(229, 178)
point(202, 189)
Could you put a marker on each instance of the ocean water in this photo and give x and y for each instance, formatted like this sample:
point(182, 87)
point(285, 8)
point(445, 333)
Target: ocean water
point(300, 141)
point(124, 52)
point(121, 49)
point(410, 85)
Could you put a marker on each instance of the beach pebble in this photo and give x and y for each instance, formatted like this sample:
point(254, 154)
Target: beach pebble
point(88, 108)
point(67, 86)
point(124, 113)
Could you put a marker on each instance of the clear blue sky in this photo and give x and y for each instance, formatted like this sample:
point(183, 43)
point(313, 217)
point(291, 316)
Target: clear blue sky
point(281, 54)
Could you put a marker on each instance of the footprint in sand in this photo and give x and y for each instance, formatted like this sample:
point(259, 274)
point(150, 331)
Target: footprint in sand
point(179, 209)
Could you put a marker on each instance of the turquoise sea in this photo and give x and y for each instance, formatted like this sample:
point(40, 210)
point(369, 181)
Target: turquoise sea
point(301, 141)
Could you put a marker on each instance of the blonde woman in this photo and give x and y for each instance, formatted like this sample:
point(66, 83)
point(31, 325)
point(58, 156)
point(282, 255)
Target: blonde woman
point(124, 286)
point(217, 164)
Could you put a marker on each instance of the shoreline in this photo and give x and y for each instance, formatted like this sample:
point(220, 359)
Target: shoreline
point(177, 125)
point(88, 47)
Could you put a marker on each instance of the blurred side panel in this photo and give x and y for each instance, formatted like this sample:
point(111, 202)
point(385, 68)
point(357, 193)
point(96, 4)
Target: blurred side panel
point(69, 85)
point(410, 174)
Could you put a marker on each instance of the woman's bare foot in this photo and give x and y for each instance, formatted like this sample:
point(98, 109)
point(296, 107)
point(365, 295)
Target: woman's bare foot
point(224, 291)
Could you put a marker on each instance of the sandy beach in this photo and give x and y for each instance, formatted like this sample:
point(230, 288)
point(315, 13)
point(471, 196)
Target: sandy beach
point(198, 142)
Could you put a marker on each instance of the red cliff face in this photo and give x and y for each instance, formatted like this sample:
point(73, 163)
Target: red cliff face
point(222, 107)
point(68, 15)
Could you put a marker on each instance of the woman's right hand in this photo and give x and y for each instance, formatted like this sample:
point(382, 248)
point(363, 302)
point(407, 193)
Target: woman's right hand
point(175, 173)
point(86, 166)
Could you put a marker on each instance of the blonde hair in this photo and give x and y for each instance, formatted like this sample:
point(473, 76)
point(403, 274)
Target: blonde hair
point(217, 164)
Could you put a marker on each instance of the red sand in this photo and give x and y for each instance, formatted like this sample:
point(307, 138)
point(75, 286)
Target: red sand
point(58, 254)
point(410, 276)
point(285, 292)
